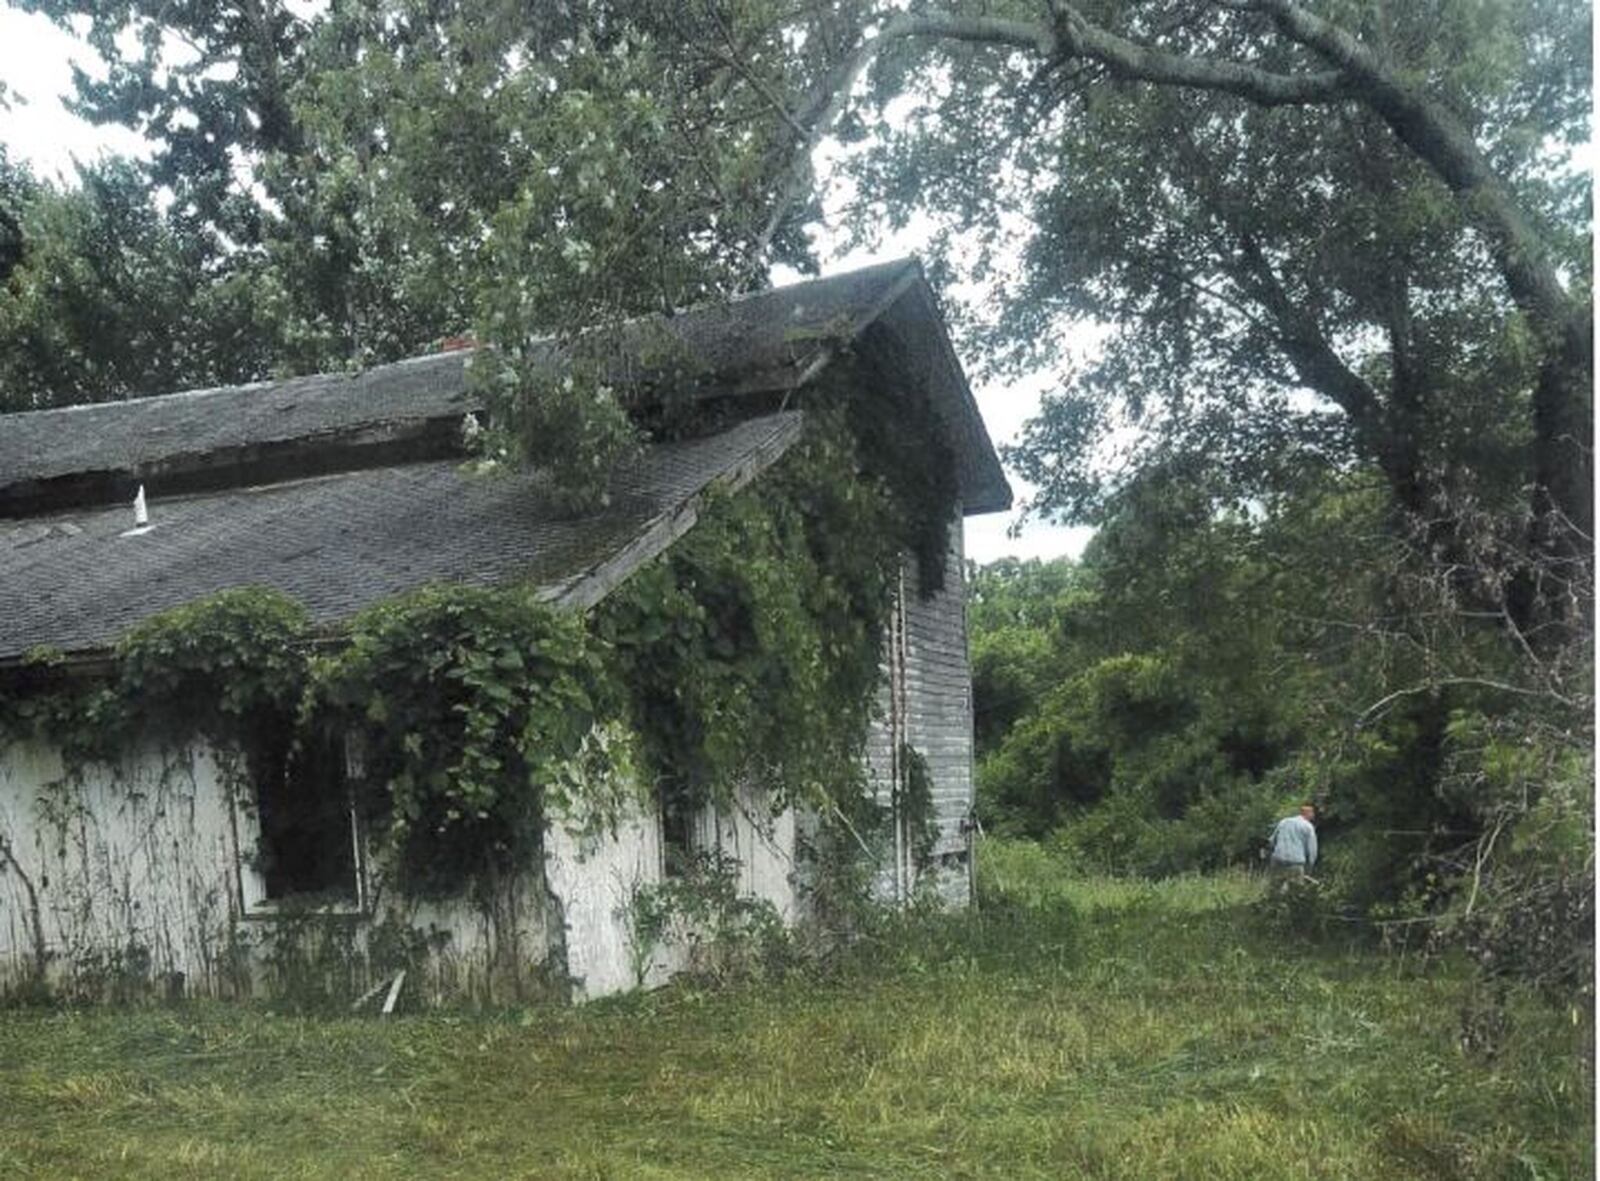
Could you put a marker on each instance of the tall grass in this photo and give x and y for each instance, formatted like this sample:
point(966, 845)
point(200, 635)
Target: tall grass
point(1065, 1028)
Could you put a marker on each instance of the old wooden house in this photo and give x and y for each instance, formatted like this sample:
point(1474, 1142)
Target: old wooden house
point(345, 490)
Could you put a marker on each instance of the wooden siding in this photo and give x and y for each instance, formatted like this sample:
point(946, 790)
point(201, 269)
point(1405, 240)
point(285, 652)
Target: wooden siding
point(926, 702)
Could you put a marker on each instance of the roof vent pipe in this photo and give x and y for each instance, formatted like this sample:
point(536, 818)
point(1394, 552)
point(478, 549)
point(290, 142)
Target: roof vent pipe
point(141, 517)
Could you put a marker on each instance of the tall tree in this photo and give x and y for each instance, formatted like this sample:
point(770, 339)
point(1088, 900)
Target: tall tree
point(364, 180)
point(100, 296)
point(1372, 203)
point(206, 82)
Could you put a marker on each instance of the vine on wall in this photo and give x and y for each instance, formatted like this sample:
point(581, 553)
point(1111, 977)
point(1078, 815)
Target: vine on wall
point(916, 806)
point(478, 712)
point(749, 653)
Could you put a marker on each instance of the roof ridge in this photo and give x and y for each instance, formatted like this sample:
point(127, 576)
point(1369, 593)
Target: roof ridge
point(261, 383)
point(762, 343)
point(744, 297)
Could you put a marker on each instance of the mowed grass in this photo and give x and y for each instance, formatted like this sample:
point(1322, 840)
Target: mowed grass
point(1068, 1029)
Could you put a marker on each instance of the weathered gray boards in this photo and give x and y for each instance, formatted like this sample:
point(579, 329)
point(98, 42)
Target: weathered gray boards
point(345, 490)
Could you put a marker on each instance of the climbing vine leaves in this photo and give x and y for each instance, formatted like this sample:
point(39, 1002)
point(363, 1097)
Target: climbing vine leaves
point(473, 717)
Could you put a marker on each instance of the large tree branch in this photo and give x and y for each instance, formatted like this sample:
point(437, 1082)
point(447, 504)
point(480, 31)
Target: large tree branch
point(1426, 126)
point(1323, 370)
point(1073, 37)
point(1438, 138)
point(1079, 37)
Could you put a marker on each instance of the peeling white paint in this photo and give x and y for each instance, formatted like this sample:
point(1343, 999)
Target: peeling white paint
point(593, 880)
point(122, 872)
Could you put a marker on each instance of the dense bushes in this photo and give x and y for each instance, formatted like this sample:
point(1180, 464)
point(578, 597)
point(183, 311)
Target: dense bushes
point(1155, 707)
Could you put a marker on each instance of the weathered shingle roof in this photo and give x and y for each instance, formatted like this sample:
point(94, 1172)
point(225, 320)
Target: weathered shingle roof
point(343, 490)
point(340, 542)
point(137, 434)
point(772, 341)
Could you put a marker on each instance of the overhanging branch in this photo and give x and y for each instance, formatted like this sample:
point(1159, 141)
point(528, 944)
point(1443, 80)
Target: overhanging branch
point(1440, 140)
point(1079, 37)
point(1072, 38)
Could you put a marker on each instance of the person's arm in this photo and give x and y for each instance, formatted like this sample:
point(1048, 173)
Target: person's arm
point(1311, 845)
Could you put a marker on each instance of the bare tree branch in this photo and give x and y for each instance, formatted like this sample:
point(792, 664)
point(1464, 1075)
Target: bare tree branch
point(1430, 686)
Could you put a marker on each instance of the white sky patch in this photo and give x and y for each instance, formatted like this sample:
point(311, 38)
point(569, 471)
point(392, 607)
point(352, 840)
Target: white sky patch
point(36, 64)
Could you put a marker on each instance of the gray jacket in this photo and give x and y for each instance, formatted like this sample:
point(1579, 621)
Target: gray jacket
point(1294, 842)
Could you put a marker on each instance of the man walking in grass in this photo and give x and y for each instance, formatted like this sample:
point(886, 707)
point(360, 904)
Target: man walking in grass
point(1294, 845)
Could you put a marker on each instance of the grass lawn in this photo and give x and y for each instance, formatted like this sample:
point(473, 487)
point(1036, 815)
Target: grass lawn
point(1069, 1029)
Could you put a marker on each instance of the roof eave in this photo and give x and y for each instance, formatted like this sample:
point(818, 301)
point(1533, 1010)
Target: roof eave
point(985, 488)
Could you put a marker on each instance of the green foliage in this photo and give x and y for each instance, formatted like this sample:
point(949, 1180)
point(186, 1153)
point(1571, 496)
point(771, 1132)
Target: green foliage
point(1521, 898)
point(1298, 911)
point(914, 805)
point(1213, 668)
point(481, 715)
point(229, 668)
point(1235, 251)
point(722, 934)
point(569, 423)
point(1160, 664)
point(314, 963)
point(725, 664)
point(477, 714)
point(225, 668)
point(101, 300)
point(1331, 435)
point(746, 655)
point(1136, 726)
point(750, 651)
point(348, 185)
point(1015, 615)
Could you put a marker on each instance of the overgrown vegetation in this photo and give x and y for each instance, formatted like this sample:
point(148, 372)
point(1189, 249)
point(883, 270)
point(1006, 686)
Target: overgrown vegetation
point(751, 649)
point(479, 714)
point(1209, 664)
point(699, 915)
point(1335, 437)
point(746, 655)
point(1082, 1027)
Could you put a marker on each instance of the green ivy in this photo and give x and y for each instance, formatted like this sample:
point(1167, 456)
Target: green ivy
point(915, 805)
point(748, 654)
point(479, 713)
point(230, 668)
point(751, 651)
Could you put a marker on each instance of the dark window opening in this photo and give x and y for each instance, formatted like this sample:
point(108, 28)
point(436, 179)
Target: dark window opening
point(308, 830)
point(677, 836)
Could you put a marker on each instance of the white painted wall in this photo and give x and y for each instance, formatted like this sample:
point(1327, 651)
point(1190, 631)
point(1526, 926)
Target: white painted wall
point(132, 870)
point(143, 874)
point(147, 868)
point(926, 701)
point(762, 843)
point(486, 954)
point(592, 879)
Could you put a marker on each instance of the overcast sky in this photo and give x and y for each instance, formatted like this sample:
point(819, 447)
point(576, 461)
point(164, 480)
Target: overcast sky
point(35, 64)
